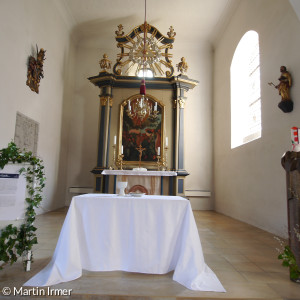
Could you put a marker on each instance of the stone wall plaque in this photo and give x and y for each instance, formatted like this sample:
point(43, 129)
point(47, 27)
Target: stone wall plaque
point(26, 133)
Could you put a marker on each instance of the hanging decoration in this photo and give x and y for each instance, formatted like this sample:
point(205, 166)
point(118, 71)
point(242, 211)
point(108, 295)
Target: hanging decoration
point(35, 70)
point(143, 108)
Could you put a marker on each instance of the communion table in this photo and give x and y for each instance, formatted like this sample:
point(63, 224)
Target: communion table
point(149, 234)
point(152, 181)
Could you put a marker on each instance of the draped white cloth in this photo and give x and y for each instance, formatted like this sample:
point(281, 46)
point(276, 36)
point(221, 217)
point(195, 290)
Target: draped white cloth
point(149, 234)
point(138, 173)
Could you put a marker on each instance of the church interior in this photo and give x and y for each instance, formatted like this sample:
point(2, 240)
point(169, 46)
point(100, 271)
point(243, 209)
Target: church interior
point(237, 188)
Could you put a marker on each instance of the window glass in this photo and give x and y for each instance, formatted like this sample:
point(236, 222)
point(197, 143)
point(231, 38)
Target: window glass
point(245, 91)
point(145, 73)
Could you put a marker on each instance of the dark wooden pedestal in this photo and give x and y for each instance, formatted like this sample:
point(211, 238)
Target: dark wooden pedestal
point(291, 163)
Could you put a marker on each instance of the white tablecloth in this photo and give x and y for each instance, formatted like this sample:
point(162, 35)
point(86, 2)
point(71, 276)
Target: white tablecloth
point(149, 234)
point(138, 173)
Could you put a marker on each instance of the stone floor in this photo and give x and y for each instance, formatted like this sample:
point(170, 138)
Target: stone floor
point(243, 257)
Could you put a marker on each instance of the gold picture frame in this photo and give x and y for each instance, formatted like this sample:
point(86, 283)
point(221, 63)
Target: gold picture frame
point(147, 133)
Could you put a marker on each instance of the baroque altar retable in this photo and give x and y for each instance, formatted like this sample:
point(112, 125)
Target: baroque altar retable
point(165, 95)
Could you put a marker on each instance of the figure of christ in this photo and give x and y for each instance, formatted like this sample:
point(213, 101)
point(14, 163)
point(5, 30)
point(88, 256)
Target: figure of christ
point(140, 149)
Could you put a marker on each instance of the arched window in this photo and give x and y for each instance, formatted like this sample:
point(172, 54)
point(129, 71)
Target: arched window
point(245, 91)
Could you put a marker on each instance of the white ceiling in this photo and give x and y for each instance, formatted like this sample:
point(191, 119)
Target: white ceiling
point(191, 19)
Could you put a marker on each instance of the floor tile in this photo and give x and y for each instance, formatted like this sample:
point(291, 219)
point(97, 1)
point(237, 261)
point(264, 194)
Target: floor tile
point(243, 257)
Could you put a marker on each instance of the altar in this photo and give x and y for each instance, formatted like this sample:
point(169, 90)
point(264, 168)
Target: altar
point(141, 118)
point(148, 182)
point(149, 234)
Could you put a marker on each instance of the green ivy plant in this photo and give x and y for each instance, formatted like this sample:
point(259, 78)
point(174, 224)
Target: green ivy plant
point(289, 260)
point(18, 241)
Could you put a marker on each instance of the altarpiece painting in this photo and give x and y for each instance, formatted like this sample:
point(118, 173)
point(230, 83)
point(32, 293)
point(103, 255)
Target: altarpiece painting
point(146, 133)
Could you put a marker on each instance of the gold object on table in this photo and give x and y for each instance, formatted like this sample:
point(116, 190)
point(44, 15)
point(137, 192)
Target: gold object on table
point(158, 163)
point(165, 159)
point(114, 158)
point(120, 161)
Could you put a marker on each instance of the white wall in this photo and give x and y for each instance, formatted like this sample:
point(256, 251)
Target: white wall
point(198, 124)
point(23, 25)
point(84, 111)
point(249, 180)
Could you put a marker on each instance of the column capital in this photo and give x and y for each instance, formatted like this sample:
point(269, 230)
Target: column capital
point(104, 99)
point(180, 101)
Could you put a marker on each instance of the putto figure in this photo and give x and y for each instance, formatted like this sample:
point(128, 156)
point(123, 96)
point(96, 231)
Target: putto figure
point(105, 63)
point(182, 67)
point(35, 70)
point(285, 83)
